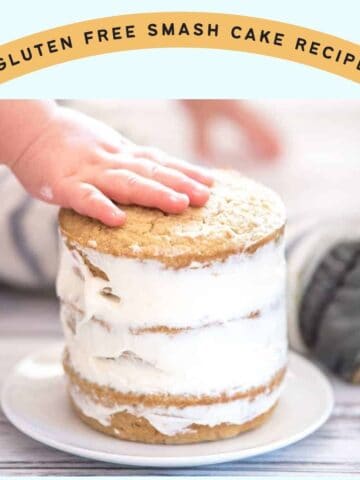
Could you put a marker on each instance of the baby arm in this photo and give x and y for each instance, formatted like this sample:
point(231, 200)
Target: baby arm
point(66, 158)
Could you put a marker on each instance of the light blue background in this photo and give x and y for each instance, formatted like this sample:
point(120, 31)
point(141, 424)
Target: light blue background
point(180, 73)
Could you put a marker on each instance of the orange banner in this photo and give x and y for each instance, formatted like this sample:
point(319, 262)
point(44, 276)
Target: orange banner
point(180, 30)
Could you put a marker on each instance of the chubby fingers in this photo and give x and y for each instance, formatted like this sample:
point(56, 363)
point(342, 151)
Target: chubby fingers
point(128, 187)
point(148, 178)
point(197, 193)
point(87, 200)
point(199, 174)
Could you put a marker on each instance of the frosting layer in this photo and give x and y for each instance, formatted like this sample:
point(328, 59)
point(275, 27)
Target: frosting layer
point(234, 356)
point(146, 294)
point(172, 420)
point(221, 349)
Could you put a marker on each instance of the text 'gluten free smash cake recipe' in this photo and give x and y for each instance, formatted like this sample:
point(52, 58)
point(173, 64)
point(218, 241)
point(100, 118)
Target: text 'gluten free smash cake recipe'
point(175, 325)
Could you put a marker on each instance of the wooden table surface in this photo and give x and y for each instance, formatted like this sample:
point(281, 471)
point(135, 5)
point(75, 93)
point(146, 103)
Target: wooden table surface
point(29, 322)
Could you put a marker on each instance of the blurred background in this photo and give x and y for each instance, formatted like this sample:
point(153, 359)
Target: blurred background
point(312, 160)
point(308, 151)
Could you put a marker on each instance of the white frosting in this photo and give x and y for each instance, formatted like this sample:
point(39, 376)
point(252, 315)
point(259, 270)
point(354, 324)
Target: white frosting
point(235, 356)
point(152, 295)
point(173, 420)
point(222, 352)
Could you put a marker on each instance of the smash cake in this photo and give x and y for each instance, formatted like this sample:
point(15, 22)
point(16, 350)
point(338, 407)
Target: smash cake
point(175, 325)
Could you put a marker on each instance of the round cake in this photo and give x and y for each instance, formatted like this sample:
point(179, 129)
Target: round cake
point(175, 325)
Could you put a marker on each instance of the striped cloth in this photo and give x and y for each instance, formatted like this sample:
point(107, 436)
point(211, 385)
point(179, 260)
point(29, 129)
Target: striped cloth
point(28, 245)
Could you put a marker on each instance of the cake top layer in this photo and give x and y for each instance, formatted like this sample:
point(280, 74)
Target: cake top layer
point(240, 216)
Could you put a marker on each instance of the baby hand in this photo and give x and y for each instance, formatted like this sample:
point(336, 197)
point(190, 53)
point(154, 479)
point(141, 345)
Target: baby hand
point(80, 163)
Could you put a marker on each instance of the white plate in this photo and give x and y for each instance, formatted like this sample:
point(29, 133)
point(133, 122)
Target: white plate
point(34, 399)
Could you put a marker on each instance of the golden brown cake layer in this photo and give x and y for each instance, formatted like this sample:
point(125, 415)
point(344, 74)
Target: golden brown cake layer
point(240, 216)
point(126, 426)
